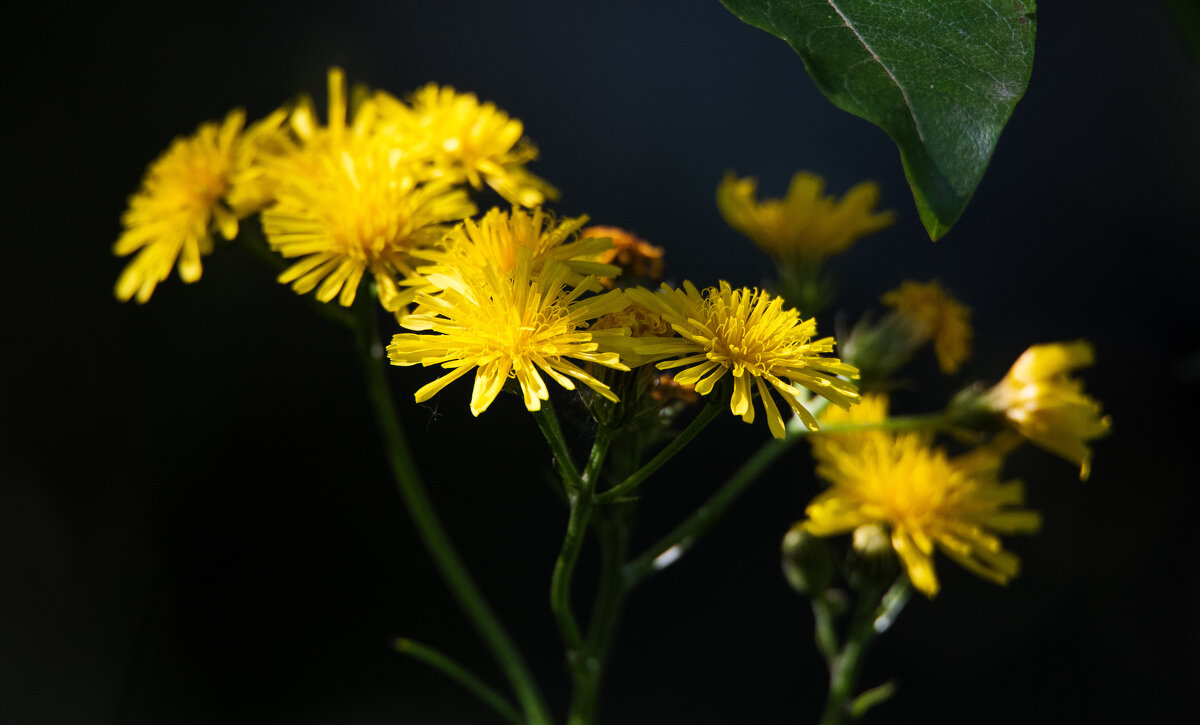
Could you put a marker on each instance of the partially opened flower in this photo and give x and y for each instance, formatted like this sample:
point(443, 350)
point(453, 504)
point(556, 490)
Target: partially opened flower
point(932, 314)
point(1048, 407)
point(348, 202)
point(508, 325)
point(924, 498)
point(748, 333)
point(462, 140)
point(188, 193)
point(806, 224)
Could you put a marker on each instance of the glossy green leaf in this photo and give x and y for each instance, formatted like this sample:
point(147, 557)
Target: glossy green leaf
point(941, 77)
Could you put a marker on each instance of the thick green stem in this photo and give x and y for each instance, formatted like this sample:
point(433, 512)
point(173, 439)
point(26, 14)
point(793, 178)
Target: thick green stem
point(426, 521)
point(461, 675)
point(613, 530)
point(627, 486)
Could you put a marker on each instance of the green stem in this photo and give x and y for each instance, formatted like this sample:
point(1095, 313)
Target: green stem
point(613, 531)
point(898, 422)
point(428, 526)
point(872, 616)
point(582, 501)
point(547, 422)
point(461, 675)
point(622, 489)
point(684, 536)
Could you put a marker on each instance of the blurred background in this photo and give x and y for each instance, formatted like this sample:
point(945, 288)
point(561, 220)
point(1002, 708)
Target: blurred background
point(196, 521)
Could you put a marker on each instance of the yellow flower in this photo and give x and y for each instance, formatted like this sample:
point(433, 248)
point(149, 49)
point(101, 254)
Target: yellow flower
point(348, 202)
point(508, 325)
point(188, 192)
point(924, 498)
point(460, 139)
point(499, 237)
point(805, 225)
point(1049, 408)
point(748, 333)
point(935, 315)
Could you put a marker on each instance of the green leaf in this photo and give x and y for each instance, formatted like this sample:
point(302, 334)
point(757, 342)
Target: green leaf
point(941, 77)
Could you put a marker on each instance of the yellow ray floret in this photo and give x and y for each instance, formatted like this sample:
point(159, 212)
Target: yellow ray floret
point(934, 315)
point(500, 237)
point(925, 499)
point(189, 191)
point(749, 333)
point(508, 326)
point(1048, 407)
point(804, 225)
point(348, 203)
point(456, 137)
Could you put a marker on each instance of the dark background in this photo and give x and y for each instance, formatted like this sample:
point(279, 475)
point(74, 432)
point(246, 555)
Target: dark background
point(196, 523)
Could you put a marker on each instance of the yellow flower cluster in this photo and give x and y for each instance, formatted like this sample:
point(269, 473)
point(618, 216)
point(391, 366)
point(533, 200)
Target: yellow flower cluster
point(378, 182)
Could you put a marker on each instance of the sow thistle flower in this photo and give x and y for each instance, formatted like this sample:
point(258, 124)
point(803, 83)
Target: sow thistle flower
point(499, 238)
point(804, 225)
point(749, 333)
point(1049, 408)
point(457, 138)
point(933, 314)
point(200, 184)
point(508, 326)
point(634, 255)
point(348, 202)
point(924, 498)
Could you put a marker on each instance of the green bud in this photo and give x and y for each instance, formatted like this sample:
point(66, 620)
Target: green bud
point(807, 561)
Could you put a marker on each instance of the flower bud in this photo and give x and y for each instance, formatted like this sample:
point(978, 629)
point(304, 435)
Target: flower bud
point(807, 561)
point(872, 561)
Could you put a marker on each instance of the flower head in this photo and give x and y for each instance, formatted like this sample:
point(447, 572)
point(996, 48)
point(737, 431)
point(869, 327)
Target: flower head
point(187, 193)
point(456, 137)
point(349, 202)
point(500, 236)
point(508, 326)
point(1049, 408)
point(806, 224)
point(932, 314)
point(748, 333)
point(924, 498)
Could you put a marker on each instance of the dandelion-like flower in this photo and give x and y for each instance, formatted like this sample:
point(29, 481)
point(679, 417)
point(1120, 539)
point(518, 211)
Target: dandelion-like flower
point(348, 201)
point(200, 184)
point(934, 315)
point(749, 333)
point(460, 139)
point(508, 326)
point(1049, 408)
point(924, 498)
point(500, 236)
point(806, 224)
point(634, 255)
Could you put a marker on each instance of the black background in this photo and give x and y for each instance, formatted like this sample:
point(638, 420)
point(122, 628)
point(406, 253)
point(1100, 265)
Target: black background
point(196, 523)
